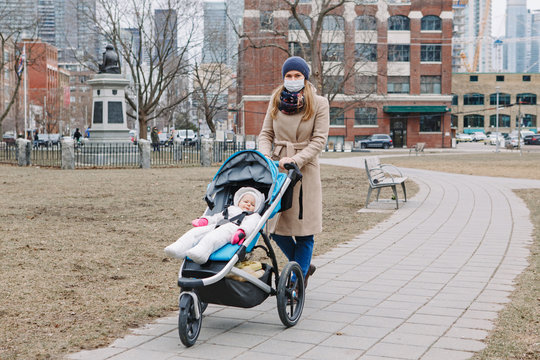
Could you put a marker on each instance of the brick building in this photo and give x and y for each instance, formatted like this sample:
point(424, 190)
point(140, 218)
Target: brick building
point(403, 49)
point(474, 105)
point(44, 94)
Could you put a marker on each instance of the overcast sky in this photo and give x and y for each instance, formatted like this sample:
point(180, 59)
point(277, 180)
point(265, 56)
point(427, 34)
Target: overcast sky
point(498, 9)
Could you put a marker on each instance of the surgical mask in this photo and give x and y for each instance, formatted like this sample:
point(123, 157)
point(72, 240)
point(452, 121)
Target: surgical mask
point(293, 85)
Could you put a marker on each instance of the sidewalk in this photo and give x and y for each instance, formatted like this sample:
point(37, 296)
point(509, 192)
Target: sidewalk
point(425, 284)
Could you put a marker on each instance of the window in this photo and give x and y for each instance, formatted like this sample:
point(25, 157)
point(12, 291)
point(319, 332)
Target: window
point(365, 52)
point(302, 50)
point(473, 99)
point(504, 99)
point(430, 123)
point(267, 20)
point(473, 78)
point(431, 52)
point(365, 22)
point(529, 120)
point(98, 112)
point(365, 116)
point(398, 85)
point(453, 121)
point(526, 77)
point(332, 52)
point(365, 84)
point(473, 120)
point(455, 99)
point(337, 116)
point(527, 98)
point(499, 78)
point(431, 23)
point(398, 52)
point(504, 120)
point(398, 22)
point(430, 84)
point(333, 85)
point(294, 25)
point(333, 23)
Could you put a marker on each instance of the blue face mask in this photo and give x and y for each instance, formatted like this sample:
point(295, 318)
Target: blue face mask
point(293, 85)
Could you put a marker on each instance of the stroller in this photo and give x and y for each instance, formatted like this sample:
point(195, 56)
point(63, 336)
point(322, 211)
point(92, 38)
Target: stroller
point(207, 283)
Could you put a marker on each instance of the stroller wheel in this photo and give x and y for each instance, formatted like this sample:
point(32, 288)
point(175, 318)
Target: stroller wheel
point(290, 294)
point(189, 326)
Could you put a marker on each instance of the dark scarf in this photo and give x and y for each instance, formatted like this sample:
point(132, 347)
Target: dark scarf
point(291, 102)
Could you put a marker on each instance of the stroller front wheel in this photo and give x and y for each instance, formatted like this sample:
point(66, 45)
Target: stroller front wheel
point(189, 326)
point(290, 294)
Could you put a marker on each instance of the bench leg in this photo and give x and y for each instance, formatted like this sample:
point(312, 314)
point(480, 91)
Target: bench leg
point(404, 191)
point(395, 195)
point(368, 196)
point(378, 193)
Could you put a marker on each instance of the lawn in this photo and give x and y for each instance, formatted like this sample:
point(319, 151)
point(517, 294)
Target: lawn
point(82, 251)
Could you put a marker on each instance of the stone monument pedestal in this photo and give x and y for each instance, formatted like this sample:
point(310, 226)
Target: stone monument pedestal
point(109, 123)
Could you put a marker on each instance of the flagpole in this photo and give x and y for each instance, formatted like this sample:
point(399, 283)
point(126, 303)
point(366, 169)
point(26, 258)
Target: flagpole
point(25, 93)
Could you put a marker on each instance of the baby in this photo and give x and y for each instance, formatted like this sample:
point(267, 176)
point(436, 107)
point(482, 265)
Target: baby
point(206, 236)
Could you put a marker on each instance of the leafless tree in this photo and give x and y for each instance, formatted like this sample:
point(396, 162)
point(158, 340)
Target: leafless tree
point(147, 42)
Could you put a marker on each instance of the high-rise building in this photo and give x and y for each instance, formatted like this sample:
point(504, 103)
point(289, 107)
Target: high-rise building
point(19, 16)
point(515, 45)
point(166, 23)
point(534, 62)
point(472, 35)
point(221, 18)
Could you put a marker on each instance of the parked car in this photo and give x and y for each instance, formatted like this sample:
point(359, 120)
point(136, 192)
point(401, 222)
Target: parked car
point(377, 141)
point(165, 139)
point(494, 137)
point(463, 138)
point(478, 136)
point(48, 139)
point(535, 140)
point(514, 141)
point(9, 137)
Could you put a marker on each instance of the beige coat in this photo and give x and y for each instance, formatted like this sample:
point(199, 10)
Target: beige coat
point(289, 136)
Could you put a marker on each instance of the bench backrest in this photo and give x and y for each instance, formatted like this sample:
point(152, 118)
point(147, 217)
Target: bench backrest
point(373, 169)
point(420, 146)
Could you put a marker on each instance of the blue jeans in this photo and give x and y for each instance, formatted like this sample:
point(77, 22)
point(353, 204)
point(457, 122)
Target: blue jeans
point(299, 249)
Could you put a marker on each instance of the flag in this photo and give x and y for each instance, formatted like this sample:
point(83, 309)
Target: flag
point(20, 64)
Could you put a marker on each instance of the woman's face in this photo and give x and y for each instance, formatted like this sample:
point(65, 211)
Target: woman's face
point(294, 75)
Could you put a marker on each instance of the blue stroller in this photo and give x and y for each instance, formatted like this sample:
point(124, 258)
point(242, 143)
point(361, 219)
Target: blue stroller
point(207, 283)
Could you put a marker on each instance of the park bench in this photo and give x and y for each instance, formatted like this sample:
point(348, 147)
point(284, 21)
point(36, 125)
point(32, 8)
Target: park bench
point(418, 148)
point(379, 176)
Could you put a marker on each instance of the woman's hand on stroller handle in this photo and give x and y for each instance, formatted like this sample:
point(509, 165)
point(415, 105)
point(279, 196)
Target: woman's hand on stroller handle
point(285, 161)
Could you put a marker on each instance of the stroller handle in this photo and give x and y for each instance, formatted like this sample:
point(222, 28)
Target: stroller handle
point(294, 172)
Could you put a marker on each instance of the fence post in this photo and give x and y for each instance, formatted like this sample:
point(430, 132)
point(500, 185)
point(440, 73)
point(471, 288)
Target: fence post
point(207, 155)
point(23, 152)
point(144, 153)
point(68, 154)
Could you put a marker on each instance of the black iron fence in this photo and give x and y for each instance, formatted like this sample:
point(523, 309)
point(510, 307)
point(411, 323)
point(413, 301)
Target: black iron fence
point(119, 155)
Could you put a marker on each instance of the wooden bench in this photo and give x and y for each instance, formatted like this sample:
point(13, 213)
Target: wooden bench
point(418, 148)
point(379, 177)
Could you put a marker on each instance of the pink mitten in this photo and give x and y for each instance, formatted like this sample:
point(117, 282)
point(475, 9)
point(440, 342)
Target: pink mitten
point(238, 237)
point(199, 222)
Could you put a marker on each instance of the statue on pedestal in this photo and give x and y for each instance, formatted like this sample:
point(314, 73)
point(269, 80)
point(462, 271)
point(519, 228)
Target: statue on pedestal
point(111, 62)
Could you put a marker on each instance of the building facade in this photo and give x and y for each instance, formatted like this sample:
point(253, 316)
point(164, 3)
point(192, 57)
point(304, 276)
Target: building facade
point(474, 105)
point(399, 52)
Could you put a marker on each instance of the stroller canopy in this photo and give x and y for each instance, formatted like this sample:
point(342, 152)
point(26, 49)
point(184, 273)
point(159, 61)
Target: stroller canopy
point(245, 167)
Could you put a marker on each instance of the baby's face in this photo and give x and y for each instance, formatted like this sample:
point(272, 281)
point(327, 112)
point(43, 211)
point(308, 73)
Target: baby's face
point(247, 203)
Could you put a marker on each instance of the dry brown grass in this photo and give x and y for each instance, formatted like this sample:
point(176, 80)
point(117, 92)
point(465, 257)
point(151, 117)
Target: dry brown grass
point(82, 251)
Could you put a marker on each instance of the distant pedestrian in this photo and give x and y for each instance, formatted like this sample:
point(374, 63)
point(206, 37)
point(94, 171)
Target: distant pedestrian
point(154, 136)
point(87, 133)
point(77, 135)
point(36, 140)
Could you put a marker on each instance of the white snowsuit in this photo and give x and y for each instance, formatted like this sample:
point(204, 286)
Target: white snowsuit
point(200, 242)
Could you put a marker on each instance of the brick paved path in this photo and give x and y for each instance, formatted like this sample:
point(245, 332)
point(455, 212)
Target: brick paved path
point(425, 284)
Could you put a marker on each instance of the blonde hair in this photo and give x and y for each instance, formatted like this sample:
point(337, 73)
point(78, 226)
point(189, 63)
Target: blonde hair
point(309, 101)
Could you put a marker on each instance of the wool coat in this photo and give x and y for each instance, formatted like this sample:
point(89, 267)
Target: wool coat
point(303, 141)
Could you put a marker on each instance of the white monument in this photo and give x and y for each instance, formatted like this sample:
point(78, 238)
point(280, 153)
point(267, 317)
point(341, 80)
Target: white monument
point(109, 122)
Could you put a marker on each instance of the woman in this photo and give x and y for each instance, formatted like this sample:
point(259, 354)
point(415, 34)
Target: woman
point(295, 130)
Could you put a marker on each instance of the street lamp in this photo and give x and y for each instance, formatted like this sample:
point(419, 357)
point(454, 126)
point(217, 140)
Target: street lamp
point(497, 120)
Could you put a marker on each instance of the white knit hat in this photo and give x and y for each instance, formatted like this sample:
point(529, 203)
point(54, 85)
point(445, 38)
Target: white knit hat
point(259, 197)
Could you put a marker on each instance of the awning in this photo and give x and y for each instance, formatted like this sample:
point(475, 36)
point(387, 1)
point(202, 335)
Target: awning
point(415, 109)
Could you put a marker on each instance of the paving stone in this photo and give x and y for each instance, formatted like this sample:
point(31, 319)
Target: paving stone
point(445, 354)
point(459, 344)
point(301, 335)
point(325, 353)
point(209, 351)
point(98, 354)
point(396, 351)
point(465, 333)
point(281, 347)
